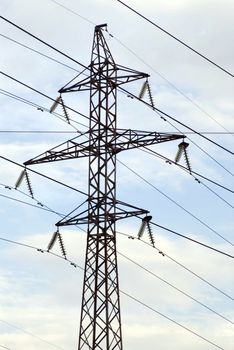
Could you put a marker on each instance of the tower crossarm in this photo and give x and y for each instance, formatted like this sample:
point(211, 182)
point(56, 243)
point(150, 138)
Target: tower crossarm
point(67, 150)
point(123, 211)
point(100, 77)
point(124, 139)
point(128, 139)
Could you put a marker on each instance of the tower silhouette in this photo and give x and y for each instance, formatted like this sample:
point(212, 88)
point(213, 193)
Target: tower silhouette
point(100, 322)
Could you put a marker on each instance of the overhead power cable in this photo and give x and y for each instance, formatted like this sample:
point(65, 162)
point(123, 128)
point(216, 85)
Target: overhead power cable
point(176, 203)
point(155, 109)
point(42, 207)
point(192, 173)
point(175, 120)
point(179, 264)
point(72, 132)
point(40, 93)
point(174, 287)
point(36, 132)
point(40, 108)
point(132, 261)
point(170, 319)
point(62, 215)
point(201, 109)
point(87, 20)
point(45, 176)
point(31, 334)
point(38, 52)
point(42, 41)
point(73, 12)
point(27, 203)
point(142, 241)
point(192, 240)
point(124, 293)
point(177, 39)
point(25, 31)
point(127, 47)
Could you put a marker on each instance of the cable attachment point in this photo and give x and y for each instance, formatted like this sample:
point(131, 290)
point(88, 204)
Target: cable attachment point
point(182, 149)
point(64, 110)
point(28, 184)
point(57, 236)
point(146, 87)
point(150, 95)
point(150, 232)
point(62, 247)
point(144, 224)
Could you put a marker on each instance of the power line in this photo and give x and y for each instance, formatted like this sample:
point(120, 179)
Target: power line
point(195, 132)
point(142, 241)
point(26, 203)
point(179, 264)
point(132, 261)
point(174, 287)
point(193, 240)
point(41, 206)
point(73, 12)
point(87, 20)
point(40, 93)
point(178, 40)
point(62, 215)
point(176, 203)
point(126, 294)
point(178, 90)
point(175, 120)
point(72, 132)
point(169, 161)
point(45, 176)
point(42, 41)
point(31, 334)
point(171, 320)
point(156, 109)
point(175, 88)
point(38, 52)
point(41, 108)
point(36, 132)
point(218, 145)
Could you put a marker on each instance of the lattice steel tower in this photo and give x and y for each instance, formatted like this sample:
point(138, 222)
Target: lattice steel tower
point(100, 324)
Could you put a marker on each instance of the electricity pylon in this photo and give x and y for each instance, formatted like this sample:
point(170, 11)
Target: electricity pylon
point(100, 323)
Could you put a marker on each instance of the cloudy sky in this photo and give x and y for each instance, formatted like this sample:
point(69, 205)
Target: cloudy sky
point(41, 293)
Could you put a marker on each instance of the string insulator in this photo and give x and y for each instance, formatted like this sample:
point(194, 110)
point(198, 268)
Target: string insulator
point(55, 104)
point(20, 179)
point(150, 95)
point(62, 245)
point(52, 241)
point(65, 111)
point(151, 237)
point(143, 90)
point(28, 184)
point(181, 148)
point(143, 226)
point(187, 161)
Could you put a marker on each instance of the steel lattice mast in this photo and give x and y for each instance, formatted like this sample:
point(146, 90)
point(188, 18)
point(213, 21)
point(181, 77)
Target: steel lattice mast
point(100, 324)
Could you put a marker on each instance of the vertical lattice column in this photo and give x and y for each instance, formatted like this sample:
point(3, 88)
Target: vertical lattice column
point(100, 326)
